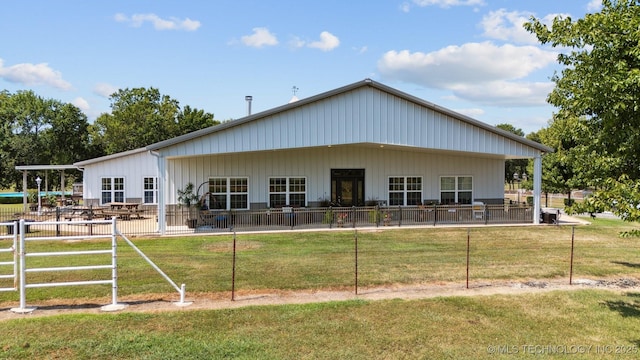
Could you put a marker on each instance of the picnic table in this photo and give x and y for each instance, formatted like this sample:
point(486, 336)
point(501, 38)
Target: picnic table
point(82, 212)
point(123, 210)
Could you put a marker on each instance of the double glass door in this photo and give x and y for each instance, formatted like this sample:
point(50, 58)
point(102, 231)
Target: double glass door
point(347, 187)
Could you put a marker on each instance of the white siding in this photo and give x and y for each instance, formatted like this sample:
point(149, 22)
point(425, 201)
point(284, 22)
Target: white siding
point(363, 115)
point(133, 168)
point(316, 164)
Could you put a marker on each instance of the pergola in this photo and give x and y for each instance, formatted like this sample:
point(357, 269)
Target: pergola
point(26, 168)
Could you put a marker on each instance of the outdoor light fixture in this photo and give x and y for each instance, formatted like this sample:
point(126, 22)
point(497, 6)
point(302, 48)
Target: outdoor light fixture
point(39, 181)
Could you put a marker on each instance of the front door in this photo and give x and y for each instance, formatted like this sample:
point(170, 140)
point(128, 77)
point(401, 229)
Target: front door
point(347, 187)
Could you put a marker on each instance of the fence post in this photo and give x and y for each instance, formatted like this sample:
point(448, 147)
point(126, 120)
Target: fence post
point(435, 214)
point(356, 260)
point(331, 217)
point(233, 270)
point(58, 220)
point(23, 272)
point(468, 245)
point(573, 230)
point(399, 215)
point(353, 216)
point(114, 306)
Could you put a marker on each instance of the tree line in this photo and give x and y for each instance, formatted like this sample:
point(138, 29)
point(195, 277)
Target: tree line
point(37, 131)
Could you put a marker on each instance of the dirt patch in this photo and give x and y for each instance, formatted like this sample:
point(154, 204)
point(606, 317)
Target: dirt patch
point(228, 247)
point(153, 303)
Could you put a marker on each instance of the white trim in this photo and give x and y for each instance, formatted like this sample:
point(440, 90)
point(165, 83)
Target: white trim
point(456, 190)
point(288, 191)
point(228, 192)
point(404, 191)
point(113, 190)
point(155, 190)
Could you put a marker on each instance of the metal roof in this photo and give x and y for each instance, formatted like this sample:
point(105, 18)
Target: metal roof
point(109, 157)
point(45, 167)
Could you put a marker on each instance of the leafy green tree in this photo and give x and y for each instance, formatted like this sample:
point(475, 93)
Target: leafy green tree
point(600, 85)
point(38, 131)
point(190, 120)
point(563, 170)
point(141, 116)
point(514, 170)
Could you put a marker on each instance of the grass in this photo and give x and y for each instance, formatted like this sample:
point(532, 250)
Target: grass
point(447, 327)
point(453, 327)
point(326, 260)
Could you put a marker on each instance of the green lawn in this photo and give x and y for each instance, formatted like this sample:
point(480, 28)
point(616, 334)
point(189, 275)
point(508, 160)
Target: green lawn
point(447, 327)
point(326, 260)
point(578, 324)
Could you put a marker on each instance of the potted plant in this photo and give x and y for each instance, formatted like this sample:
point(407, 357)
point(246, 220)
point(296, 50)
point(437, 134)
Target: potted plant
point(341, 218)
point(188, 199)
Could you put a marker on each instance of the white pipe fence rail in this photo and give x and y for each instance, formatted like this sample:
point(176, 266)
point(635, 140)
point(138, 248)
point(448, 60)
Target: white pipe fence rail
point(12, 237)
point(22, 251)
point(180, 290)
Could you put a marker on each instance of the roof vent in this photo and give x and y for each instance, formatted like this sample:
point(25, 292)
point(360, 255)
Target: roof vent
point(248, 98)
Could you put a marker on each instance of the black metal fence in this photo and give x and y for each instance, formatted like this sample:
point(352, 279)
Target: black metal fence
point(144, 221)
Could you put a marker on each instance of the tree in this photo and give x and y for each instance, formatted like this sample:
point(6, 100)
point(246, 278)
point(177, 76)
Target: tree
point(564, 169)
point(600, 86)
point(513, 169)
point(141, 116)
point(190, 120)
point(38, 131)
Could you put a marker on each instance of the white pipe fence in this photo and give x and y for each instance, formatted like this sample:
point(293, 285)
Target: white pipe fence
point(12, 236)
point(24, 253)
point(21, 244)
point(180, 290)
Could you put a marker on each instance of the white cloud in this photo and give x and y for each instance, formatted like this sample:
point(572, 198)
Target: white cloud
point(296, 42)
point(449, 3)
point(405, 7)
point(33, 74)
point(507, 26)
point(507, 93)
point(261, 37)
point(474, 112)
point(105, 90)
point(594, 5)
point(82, 104)
point(137, 20)
point(327, 42)
point(481, 72)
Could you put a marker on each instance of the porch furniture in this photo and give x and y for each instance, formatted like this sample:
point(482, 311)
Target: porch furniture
point(123, 210)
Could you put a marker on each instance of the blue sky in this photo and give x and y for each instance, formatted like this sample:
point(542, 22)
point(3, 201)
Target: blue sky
point(471, 56)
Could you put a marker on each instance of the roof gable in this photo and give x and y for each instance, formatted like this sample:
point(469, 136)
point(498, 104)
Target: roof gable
point(363, 112)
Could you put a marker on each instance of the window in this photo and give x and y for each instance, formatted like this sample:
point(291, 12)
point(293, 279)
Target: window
point(112, 190)
point(285, 191)
point(405, 190)
point(456, 190)
point(228, 193)
point(150, 190)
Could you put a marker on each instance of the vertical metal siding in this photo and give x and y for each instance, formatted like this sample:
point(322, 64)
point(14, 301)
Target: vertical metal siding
point(364, 115)
point(315, 165)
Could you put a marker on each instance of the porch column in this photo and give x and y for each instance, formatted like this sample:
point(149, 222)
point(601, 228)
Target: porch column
point(537, 185)
point(62, 186)
point(162, 192)
point(24, 191)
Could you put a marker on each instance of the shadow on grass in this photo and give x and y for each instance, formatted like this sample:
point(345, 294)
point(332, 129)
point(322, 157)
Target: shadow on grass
point(627, 264)
point(626, 308)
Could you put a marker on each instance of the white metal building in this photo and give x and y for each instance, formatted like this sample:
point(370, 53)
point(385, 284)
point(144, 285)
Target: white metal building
point(358, 143)
point(129, 176)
